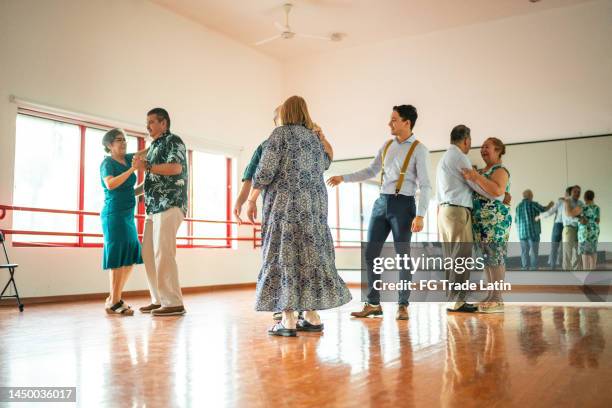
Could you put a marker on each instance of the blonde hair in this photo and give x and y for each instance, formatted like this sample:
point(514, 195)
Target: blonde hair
point(295, 112)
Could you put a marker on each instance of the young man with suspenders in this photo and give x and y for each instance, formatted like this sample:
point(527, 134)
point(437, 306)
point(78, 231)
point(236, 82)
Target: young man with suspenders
point(403, 163)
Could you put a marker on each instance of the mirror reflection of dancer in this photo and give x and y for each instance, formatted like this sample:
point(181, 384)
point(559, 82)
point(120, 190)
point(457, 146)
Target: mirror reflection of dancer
point(395, 210)
point(557, 210)
point(572, 209)
point(588, 231)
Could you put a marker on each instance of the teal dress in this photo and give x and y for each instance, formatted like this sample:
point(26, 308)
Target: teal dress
point(588, 234)
point(121, 244)
point(491, 222)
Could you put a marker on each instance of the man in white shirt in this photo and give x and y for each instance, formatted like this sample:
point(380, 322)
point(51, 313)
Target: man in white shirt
point(454, 196)
point(557, 232)
point(572, 209)
point(403, 163)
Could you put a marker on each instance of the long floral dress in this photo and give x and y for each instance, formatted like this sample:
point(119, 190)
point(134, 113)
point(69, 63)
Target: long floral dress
point(491, 222)
point(298, 271)
point(588, 234)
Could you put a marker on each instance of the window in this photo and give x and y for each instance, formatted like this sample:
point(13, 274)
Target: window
point(46, 175)
point(57, 166)
point(350, 209)
point(350, 226)
point(332, 212)
point(211, 197)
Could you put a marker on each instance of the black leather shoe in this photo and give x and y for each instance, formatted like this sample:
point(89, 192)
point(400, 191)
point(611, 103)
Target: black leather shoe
point(305, 326)
point(465, 308)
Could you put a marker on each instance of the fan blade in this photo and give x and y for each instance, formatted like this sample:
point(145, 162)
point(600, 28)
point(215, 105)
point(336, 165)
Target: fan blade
point(316, 37)
point(267, 40)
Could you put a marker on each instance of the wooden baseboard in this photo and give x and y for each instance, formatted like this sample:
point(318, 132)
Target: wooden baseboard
point(131, 293)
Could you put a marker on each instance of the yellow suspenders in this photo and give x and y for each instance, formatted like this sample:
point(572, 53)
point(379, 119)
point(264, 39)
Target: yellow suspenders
point(400, 180)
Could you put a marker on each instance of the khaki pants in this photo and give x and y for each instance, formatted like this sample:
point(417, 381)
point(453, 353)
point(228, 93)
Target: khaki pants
point(455, 230)
point(571, 260)
point(159, 256)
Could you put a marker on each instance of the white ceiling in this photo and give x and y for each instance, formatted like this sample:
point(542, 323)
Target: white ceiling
point(363, 21)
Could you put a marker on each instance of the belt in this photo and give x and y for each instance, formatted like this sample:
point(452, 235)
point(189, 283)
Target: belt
point(454, 205)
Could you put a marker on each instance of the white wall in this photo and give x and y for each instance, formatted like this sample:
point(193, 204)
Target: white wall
point(535, 77)
point(116, 59)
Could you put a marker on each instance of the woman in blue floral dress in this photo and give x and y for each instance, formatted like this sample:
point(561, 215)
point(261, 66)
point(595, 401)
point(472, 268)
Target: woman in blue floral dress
point(491, 219)
point(588, 231)
point(298, 271)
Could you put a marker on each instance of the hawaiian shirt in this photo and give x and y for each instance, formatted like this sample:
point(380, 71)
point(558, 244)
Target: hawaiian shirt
point(165, 192)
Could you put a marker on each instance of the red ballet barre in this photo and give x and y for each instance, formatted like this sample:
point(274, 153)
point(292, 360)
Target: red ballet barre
point(256, 238)
point(81, 235)
point(4, 208)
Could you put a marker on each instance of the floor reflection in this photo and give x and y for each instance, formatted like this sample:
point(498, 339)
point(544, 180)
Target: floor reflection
point(477, 367)
point(140, 364)
point(582, 334)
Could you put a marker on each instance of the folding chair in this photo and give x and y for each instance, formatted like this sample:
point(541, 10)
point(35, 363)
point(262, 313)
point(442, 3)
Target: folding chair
point(11, 268)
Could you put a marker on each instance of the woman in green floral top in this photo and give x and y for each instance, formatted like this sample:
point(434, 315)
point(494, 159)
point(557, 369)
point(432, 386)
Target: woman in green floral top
point(588, 231)
point(491, 219)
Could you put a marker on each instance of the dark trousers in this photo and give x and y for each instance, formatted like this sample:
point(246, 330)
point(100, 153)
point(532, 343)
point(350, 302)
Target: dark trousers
point(393, 214)
point(555, 245)
point(529, 253)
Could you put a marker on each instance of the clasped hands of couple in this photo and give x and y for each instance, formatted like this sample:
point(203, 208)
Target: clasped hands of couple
point(139, 162)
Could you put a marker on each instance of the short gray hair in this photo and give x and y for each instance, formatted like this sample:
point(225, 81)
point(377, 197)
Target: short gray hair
point(110, 136)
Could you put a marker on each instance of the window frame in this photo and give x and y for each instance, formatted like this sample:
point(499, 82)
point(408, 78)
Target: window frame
point(427, 223)
point(140, 213)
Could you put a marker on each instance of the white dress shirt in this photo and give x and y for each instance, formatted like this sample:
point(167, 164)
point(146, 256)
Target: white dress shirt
point(416, 174)
point(571, 221)
point(558, 209)
point(451, 187)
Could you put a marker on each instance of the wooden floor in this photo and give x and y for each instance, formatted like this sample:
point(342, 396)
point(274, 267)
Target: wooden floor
point(220, 355)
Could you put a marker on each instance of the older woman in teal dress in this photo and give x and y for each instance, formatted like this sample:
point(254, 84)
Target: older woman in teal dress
point(588, 231)
point(121, 245)
point(491, 219)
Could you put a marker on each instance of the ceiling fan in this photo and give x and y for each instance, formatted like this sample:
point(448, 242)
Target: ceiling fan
point(286, 33)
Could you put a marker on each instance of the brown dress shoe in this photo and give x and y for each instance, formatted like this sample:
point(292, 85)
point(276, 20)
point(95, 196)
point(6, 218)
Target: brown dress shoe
point(169, 311)
point(402, 313)
point(368, 310)
point(148, 309)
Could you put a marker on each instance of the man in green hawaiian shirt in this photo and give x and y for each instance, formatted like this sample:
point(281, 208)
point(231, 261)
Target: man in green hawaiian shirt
point(165, 191)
